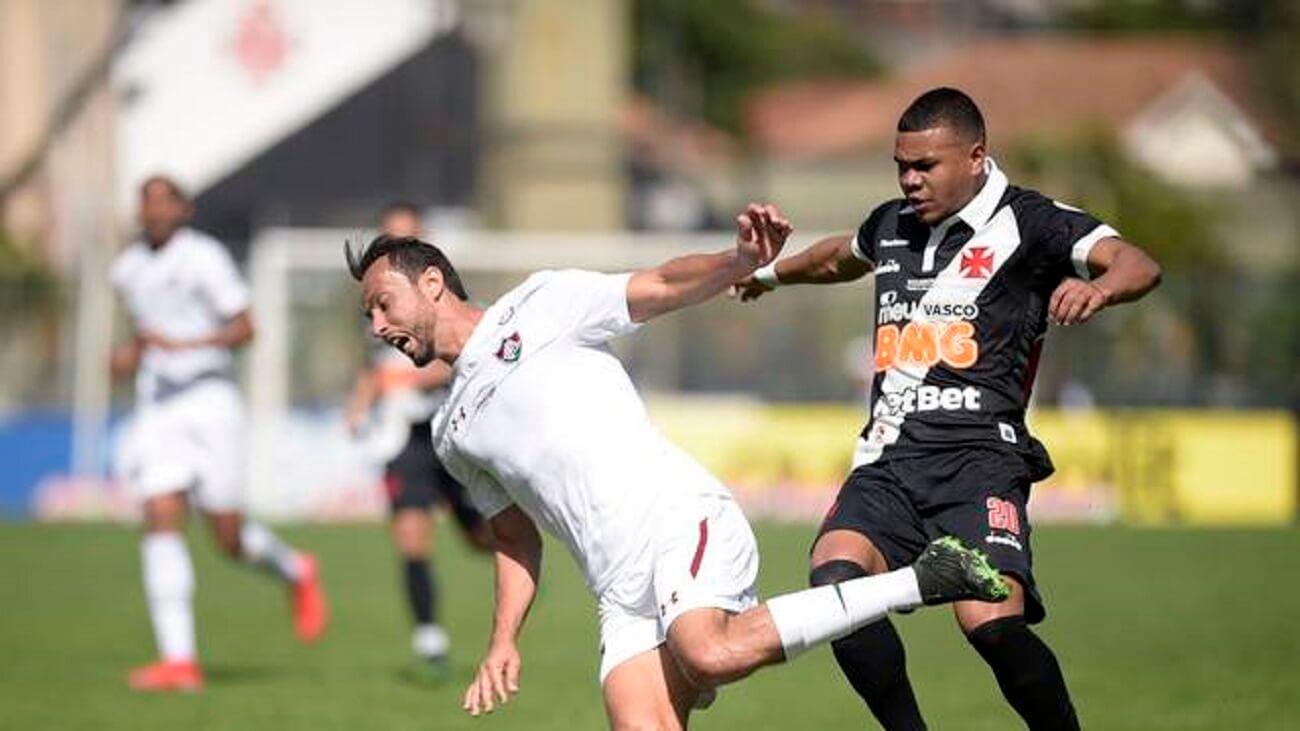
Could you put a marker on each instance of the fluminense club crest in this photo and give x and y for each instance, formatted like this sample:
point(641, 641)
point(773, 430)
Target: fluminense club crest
point(510, 348)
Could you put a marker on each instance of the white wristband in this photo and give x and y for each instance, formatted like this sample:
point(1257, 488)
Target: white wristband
point(766, 276)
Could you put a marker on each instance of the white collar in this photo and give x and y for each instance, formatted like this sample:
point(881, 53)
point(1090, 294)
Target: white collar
point(980, 209)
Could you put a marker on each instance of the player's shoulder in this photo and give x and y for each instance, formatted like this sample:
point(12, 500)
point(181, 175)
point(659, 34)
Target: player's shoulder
point(1031, 205)
point(127, 261)
point(885, 217)
point(561, 279)
point(200, 243)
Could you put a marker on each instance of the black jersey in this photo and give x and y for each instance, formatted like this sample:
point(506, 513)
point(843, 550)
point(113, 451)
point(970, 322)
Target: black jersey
point(961, 311)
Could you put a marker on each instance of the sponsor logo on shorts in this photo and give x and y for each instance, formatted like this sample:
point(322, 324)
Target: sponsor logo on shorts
point(926, 344)
point(927, 398)
point(894, 311)
point(1005, 541)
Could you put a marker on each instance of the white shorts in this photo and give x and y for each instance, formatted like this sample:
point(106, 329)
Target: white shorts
point(708, 558)
point(190, 441)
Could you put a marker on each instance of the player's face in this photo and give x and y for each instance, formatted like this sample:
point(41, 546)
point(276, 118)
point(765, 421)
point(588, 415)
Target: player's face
point(161, 212)
point(400, 224)
point(400, 313)
point(938, 171)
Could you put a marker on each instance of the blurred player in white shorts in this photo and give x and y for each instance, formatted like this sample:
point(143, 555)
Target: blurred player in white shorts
point(185, 446)
point(543, 426)
point(388, 415)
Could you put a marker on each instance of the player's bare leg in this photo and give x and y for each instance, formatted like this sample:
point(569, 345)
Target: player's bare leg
point(1025, 668)
point(648, 691)
point(872, 658)
point(169, 591)
point(256, 545)
point(714, 647)
point(413, 532)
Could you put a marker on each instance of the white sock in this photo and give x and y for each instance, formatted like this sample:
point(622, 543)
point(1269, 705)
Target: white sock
point(169, 590)
point(261, 547)
point(808, 618)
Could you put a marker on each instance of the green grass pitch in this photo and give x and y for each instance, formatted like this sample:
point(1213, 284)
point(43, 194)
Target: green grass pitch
point(1156, 629)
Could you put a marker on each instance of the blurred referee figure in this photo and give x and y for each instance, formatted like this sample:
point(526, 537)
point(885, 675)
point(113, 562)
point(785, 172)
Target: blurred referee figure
point(389, 409)
point(189, 308)
point(968, 272)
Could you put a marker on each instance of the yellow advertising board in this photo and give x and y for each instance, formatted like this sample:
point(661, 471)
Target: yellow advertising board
point(1141, 467)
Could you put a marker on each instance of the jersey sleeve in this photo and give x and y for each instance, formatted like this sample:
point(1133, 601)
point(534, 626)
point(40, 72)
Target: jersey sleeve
point(221, 283)
point(487, 495)
point(590, 305)
point(1065, 235)
point(865, 240)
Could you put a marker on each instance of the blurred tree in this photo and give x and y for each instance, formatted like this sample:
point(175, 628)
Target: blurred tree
point(26, 283)
point(1269, 31)
point(702, 58)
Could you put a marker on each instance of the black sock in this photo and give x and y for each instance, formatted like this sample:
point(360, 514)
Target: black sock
point(1027, 672)
point(421, 591)
point(873, 660)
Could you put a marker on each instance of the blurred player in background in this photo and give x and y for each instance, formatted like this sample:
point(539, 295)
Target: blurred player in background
point(543, 426)
point(189, 308)
point(968, 272)
point(389, 413)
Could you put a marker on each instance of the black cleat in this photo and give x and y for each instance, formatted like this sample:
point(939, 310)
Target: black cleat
point(948, 571)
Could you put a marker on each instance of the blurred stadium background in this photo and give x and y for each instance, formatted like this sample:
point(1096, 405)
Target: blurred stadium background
point(612, 134)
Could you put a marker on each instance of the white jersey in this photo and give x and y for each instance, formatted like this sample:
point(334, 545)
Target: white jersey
point(187, 288)
point(540, 413)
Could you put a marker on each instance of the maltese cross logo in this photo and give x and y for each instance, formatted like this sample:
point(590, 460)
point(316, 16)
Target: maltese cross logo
point(977, 262)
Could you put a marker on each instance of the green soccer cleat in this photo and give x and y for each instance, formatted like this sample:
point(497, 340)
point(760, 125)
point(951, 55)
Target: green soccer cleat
point(948, 571)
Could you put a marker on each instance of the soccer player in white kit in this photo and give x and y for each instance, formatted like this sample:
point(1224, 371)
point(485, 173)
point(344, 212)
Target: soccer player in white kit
point(189, 307)
point(543, 426)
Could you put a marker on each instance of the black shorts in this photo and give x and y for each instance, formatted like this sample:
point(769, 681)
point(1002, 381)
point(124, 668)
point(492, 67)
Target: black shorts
point(415, 479)
point(976, 494)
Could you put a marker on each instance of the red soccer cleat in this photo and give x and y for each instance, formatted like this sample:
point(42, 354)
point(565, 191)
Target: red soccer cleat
point(310, 613)
point(168, 676)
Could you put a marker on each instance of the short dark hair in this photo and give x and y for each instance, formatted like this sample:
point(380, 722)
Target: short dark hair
point(408, 255)
point(173, 187)
point(944, 107)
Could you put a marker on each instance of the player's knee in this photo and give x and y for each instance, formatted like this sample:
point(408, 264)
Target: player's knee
point(834, 572)
point(996, 634)
point(706, 664)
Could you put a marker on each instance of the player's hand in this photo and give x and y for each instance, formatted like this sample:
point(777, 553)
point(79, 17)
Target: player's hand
point(748, 289)
point(497, 679)
point(1076, 301)
point(761, 232)
point(154, 339)
point(124, 359)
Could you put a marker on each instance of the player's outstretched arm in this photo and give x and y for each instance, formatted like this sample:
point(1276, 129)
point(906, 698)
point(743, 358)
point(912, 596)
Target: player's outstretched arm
point(1123, 272)
point(828, 261)
point(761, 231)
point(518, 565)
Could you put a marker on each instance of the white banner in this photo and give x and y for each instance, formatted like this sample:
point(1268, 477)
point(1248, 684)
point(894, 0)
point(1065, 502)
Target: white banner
point(207, 85)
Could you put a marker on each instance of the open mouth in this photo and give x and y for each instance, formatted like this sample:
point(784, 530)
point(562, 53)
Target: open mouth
point(399, 342)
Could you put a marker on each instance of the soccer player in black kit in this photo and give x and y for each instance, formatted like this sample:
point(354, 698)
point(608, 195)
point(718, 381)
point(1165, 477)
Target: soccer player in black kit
point(969, 270)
